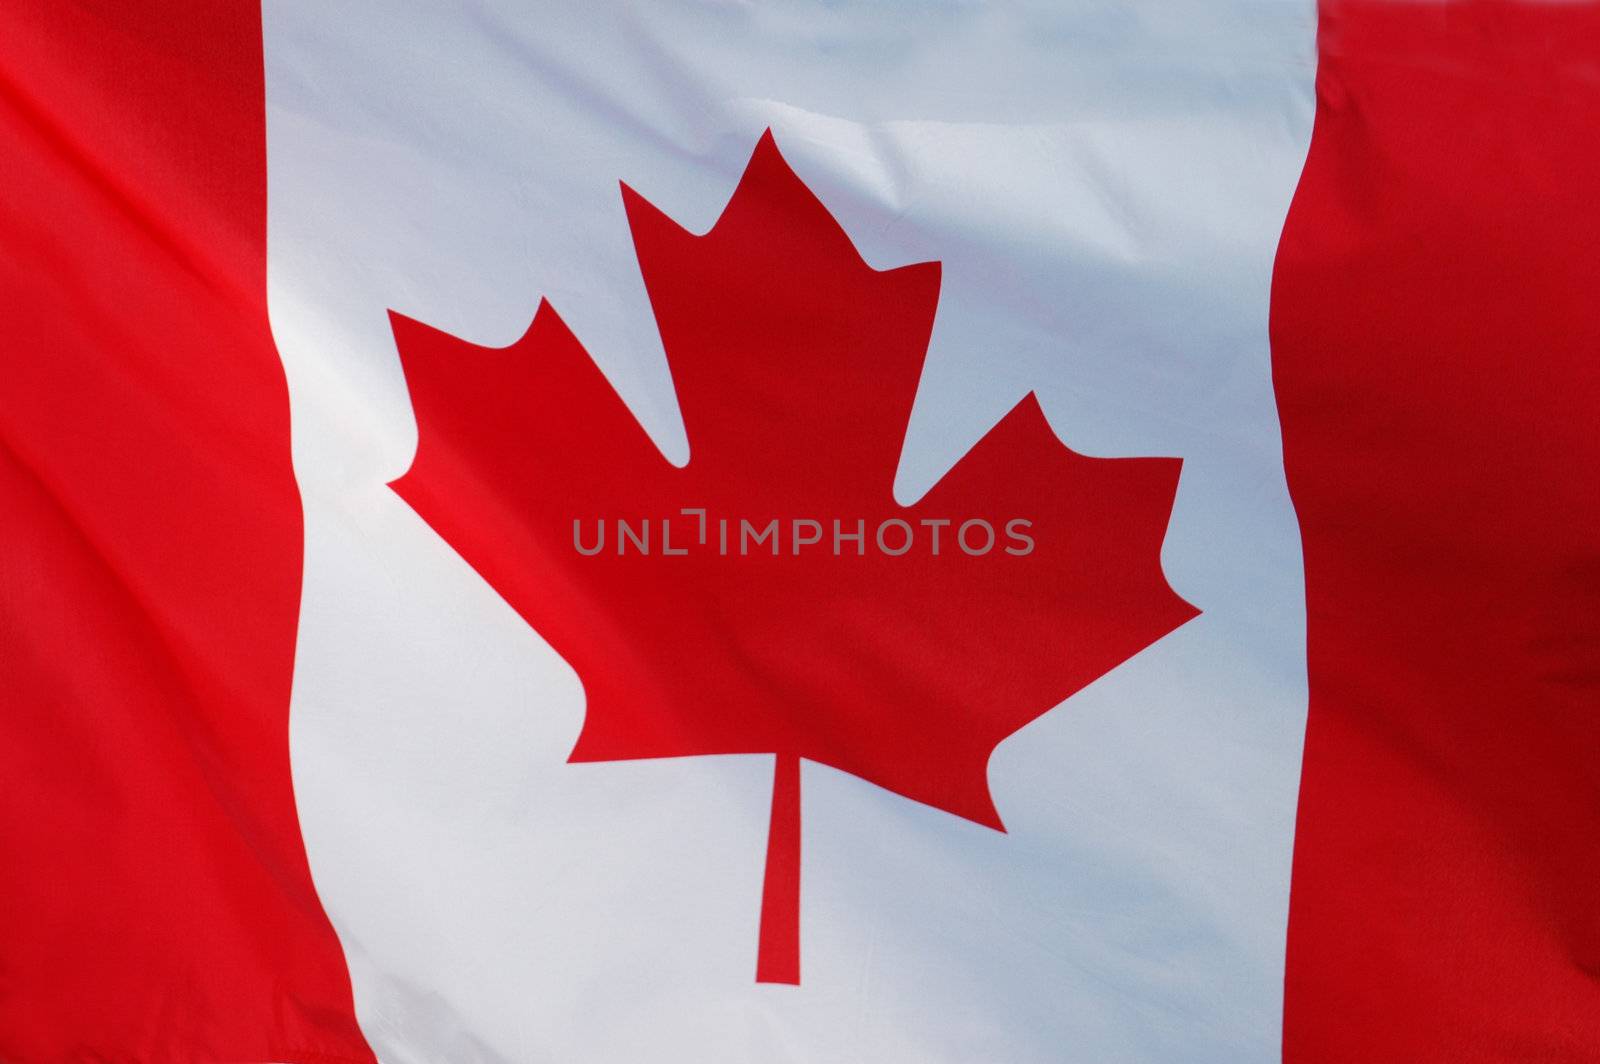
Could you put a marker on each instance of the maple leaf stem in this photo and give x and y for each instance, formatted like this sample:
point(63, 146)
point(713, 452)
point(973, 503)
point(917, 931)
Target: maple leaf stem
point(778, 954)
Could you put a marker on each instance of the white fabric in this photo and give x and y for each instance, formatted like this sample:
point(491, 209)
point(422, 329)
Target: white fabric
point(1104, 184)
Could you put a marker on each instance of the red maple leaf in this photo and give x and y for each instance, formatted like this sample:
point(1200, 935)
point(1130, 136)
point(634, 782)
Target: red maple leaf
point(903, 657)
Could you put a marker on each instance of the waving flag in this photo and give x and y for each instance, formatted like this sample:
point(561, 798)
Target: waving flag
point(791, 532)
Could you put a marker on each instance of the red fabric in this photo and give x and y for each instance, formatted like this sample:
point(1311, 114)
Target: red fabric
point(795, 364)
point(1436, 350)
point(155, 903)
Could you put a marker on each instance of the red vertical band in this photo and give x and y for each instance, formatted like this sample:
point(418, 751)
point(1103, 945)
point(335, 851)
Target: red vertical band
point(1436, 350)
point(778, 956)
point(155, 903)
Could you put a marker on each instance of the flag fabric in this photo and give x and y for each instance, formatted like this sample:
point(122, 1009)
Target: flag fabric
point(787, 532)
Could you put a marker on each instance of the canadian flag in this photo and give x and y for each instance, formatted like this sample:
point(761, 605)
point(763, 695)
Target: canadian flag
point(905, 532)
